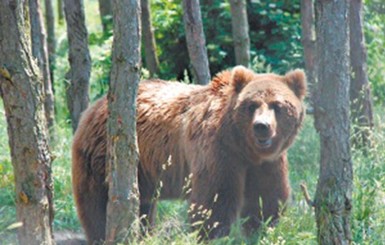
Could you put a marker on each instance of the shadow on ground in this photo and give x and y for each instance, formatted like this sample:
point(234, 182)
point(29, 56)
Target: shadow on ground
point(69, 238)
point(61, 238)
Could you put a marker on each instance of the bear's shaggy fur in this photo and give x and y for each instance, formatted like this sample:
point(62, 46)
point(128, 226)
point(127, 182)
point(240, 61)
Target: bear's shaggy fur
point(227, 139)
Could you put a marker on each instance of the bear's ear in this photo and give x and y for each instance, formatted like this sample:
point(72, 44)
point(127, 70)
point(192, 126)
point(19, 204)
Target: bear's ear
point(296, 80)
point(240, 76)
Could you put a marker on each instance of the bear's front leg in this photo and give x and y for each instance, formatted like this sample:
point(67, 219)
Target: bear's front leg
point(147, 214)
point(266, 190)
point(148, 200)
point(216, 201)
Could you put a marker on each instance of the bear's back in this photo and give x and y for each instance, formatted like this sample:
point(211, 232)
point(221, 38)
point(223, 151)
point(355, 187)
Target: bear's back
point(162, 110)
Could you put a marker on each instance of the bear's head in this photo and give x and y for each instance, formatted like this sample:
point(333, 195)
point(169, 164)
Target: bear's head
point(268, 109)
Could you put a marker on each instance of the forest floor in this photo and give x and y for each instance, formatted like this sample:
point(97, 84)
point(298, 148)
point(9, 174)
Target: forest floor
point(62, 237)
point(69, 238)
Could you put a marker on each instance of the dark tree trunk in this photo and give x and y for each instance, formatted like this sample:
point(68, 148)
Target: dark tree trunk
point(79, 59)
point(39, 51)
point(51, 40)
point(122, 155)
point(360, 95)
point(151, 58)
point(240, 28)
point(105, 10)
point(21, 88)
point(333, 201)
point(60, 11)
point(195, 39)
point(308, 41)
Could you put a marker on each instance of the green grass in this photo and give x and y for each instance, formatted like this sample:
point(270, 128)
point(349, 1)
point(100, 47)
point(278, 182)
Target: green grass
point(369, 191)
point(7, 200)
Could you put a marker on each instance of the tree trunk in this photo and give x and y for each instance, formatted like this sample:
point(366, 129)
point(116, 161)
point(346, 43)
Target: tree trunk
point(60, 11)
point(333, 201)
point(122, 155)
point(51, 40)
point(79, 59)
point(39, 51)
point(360, 95)
point(151, 58)
point(105, 10)
point(21, 88)
point(240, 28)
point(308, 41)
point(195, 39)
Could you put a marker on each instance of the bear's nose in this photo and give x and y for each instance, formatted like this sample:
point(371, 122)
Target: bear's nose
point(262, 128)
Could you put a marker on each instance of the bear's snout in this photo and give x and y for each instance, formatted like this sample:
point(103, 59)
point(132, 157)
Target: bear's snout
point(264, 123)
point(264, 134)
point(262, 128)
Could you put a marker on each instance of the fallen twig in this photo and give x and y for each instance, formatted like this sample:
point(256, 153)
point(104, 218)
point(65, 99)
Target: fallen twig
point(306, 195)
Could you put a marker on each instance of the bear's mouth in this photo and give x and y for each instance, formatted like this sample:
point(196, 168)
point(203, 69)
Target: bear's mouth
point(264, 143)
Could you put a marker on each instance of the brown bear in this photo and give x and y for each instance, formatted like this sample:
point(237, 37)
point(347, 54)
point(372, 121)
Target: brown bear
point(226, 141)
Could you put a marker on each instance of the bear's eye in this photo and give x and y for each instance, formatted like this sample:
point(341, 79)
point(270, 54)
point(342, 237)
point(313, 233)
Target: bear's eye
point(252, 107)
point(277, 108)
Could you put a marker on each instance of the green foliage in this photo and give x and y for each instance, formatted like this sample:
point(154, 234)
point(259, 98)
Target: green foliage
point(274, 35)
point(374, 33)
point(65, 212)
point(167, 19)
point(216, 19)
point(100, 48)
point(7, 192)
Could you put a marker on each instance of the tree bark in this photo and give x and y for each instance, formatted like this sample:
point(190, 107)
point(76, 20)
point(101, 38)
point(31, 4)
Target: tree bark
point(79, 59)
point(151, 58)
point(360, 94)
point(333, 200)
point(39, 51)
point(21, 88)
point(308, 41)
point(240, 28)
point(51, 40)
point(122, 155)
point(195, 39)
point(105, 10)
